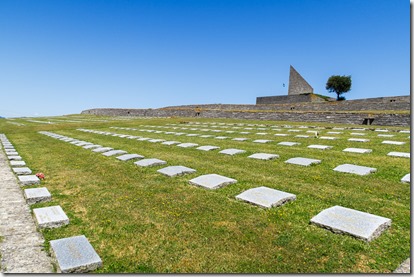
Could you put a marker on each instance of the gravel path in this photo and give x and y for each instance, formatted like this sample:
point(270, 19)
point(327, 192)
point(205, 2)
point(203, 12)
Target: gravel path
point(21, 247)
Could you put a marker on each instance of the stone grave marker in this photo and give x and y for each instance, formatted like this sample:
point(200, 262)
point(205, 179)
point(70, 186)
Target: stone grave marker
point(143, 139)
point(301, 136)
point(321, 147)
point(405, 131)
point(281, 135)
point(358, 134)
point(50, 217)
point(351, 222)
point(150, 162)
point(170, 142)
point(406, 178)
point(266, 197)
point(156, 140)
point(206, 136)
point(92, 146)
point(303, 161)
point(17, 163)
point(357, 150)
point(212, 181)
point(14, 158)
point(355, 169)
point(393, 142)
point(240, 139)
point(328, 138)
point(399, 154)
point(334, 133)
point(172, 171)
point(358, 140)
point(22, 170)
point(28, 180)
point(385, 136)
point(102, 149)
point(114, 152)
point(232, 151)
point(37, 195)
point(244, 133)
point(207, 147)
point(128, 157)
point(263, 156)
point(262, 140)
point(288, 143)
point(74, 255)
point(221, 137)
point(187, 145)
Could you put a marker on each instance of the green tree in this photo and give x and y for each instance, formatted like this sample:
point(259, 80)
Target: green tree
point(339, 85)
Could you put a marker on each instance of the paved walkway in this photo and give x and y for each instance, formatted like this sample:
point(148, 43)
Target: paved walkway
point(21, 247)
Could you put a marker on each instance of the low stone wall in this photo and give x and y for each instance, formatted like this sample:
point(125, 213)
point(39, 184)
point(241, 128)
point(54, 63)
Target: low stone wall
point(384, 119)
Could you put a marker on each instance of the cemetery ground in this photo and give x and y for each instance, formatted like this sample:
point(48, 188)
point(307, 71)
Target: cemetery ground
point(140, 221)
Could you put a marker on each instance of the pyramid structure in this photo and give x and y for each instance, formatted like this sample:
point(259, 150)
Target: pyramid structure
point(297, 84)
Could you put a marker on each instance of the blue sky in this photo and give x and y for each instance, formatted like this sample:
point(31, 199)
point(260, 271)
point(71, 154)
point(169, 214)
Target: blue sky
point(63, 56)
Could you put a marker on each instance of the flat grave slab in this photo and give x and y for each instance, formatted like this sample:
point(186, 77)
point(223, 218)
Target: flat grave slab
point(50, 217)
point(37, 195)
point(321, 147)
point(328, 138)
point(261, 134)
point(334, 133)
point(92, 146)
point(351, 222)
point(143, 139)
point(301, 136)
point(74, 255)
point(17, 163)
point(358, 140)
point(170, 142)
point(404, 131)
point(206, 136)
point(406, 178)
point(355, 169)
point(128, 157)
point(385, 136)
point(381, 130)
point(263, 156)
point(14, 158)
point(262, 140)
point(266, 197)
point(240, 139)
point(156, 140)
point(114, 152)
point(358, 134)
point(281, 135)
point(187, 145)
point(28, 180)
point(83, 143)
point(399, 154)
point(150, 162)
point(393, 142)
point(244, 133)
point(221, 137)
point(22, 170)
point(357, 150)
point(172, 171)
point(303, 161)
point(207, 147)
point(232, 151)
point(102, 149)
point(288, 143)
point(212, 181)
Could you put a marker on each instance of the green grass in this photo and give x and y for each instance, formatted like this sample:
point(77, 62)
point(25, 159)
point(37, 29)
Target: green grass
point(140, 221)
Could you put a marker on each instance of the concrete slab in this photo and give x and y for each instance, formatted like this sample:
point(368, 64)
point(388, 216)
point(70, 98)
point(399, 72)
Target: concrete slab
point(170, 142)
point(355, 169)
point(351, 222)
point(212, 181)
point(128, 157)
point(17, 163)
point(150, 162)
point(221, 137)
point(393, 142)
point(357, 150)
point(232, 151)
point(37, 195)
point(385, 136)
point(262, 140)
point(266, 197)
point(358, 140)
point(399, 154)
point(91, 146)
point(187, 145)
point(156, 140)
point(173, 171)
point(240, 139)
point(281, 135)
point(114, 152)
point(28, 180)
point(301, 136)
point(288, 143)
point(207, 148)
point(406, 178)
point(50, 217)
point(321, 147)
point(74, 255)
point(303, 161)
point(263, 156)
point(14, 158)
point(102, 149)
point(328, 138)
point(22, 170)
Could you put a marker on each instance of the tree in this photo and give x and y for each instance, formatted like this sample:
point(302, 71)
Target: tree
point(339, 85)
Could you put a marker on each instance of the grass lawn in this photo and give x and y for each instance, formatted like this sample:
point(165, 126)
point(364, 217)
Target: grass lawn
point(140, 221)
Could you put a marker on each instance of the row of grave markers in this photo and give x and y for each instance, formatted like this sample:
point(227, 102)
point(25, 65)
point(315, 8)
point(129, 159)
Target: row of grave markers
point(346, 168)
point(285, 143)
point(72, 255)
point(337, 219)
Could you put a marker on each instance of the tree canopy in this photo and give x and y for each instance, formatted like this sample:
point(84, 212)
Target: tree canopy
point(339, 85)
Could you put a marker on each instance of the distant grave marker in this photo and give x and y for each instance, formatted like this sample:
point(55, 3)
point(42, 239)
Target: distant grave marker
point(150, 162)
point(263, 156)
point(321, 147)
point(50, 217)
point(187, 145)
point(22, 170)
point(399, 154)
point(355, 169)
point(393, 142)
point(207, 147)
point(128, 157)
point(17, 163)
point(351, 222)
point(288, 143)
point(37, 195)
point(240, 139)
point(262, 140)
point(303, 161)
point(102, 149)
point(406, 178)
point(358, 140)
point(28, 180)
point(357, 150)
point(232, 151)
point(173, 171)
point(266, 197)
point(114, 152)
point(212, 181)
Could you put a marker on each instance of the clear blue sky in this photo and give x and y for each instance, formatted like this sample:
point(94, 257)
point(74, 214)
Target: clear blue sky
point(63, 56)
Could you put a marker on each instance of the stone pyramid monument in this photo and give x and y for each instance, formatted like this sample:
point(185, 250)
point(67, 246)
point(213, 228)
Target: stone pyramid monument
point(297, 85)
